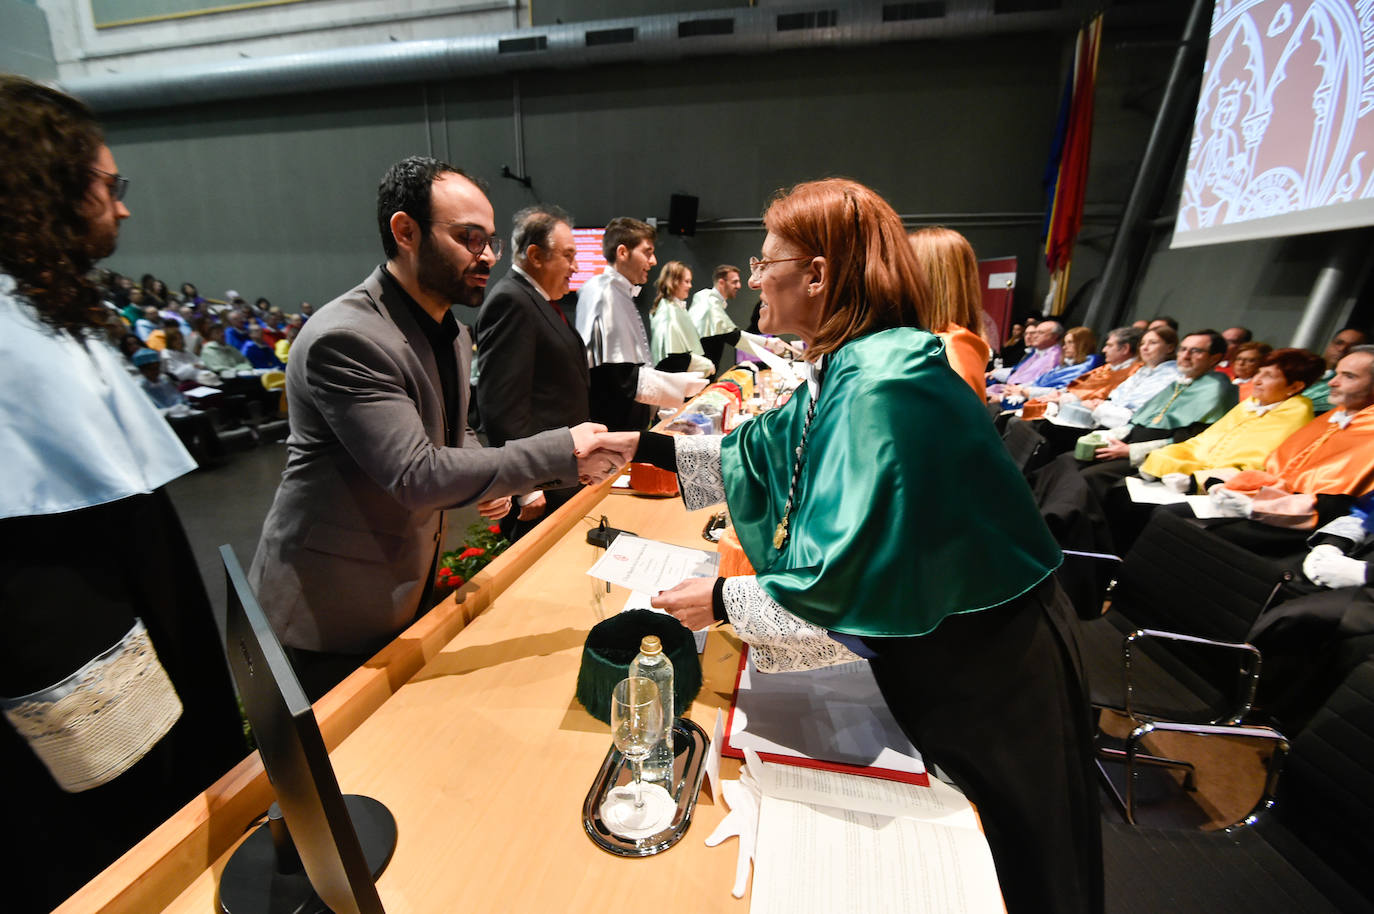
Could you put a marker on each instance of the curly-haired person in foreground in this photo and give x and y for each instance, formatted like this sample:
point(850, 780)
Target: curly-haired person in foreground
point(87, 455)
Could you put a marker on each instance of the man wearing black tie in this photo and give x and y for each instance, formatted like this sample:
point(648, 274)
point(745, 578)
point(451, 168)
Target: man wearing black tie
point(533, 365)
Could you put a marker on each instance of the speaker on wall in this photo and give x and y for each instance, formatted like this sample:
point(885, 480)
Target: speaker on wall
point(682, 215)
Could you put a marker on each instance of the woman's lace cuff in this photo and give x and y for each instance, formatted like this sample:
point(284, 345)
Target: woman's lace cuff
point(779, 642)
point(698, 470)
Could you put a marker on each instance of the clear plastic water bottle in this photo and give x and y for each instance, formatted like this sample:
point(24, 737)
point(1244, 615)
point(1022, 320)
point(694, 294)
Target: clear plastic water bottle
point(652, 663)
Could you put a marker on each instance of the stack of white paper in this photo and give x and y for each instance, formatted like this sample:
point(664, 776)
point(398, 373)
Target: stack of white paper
point(838, 843)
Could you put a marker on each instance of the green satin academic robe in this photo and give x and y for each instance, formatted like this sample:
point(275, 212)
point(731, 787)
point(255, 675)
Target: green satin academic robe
point(908, 509)
point(1207, 399)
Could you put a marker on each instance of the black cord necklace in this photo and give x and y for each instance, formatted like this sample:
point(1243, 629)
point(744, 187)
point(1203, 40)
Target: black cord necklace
point(780, 534)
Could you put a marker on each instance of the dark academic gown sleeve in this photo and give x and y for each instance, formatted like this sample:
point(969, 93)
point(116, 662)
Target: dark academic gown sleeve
point(613, 402)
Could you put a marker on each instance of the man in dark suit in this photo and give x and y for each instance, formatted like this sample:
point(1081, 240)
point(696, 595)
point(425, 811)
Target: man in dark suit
point(533, 366)
point(377, 386)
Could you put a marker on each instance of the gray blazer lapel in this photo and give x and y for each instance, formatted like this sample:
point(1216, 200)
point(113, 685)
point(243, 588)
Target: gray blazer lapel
point(396, 309)
point(463, 346)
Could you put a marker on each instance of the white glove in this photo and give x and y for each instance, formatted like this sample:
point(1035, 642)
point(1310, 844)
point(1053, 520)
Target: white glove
point(699, 363)
point(1179, 482)
point(743, 798)
point(779, 346)
point(1229, 502)
point(1109, 415)
point(755, 341)
point(773, 344)
point(1328, 566)
point(667, 388)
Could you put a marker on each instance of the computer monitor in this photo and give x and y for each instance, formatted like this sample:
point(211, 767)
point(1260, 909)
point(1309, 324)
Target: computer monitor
point(341, 844)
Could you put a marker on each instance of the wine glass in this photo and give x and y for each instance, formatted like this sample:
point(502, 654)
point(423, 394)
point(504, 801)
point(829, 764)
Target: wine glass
point(636, 725)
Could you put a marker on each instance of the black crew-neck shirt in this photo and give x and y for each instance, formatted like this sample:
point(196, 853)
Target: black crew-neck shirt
point(441, 336)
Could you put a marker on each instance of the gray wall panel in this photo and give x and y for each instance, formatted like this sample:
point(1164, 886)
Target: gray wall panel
point(269, 200)
point(25, 41)
point(275, 197)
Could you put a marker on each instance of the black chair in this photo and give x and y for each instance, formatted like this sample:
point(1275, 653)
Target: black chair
point(1173, 645)
point(1305, 847)
point(1078, 524)
point(1024, 444)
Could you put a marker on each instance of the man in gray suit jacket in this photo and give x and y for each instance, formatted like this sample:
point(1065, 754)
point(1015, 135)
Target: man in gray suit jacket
point(377, 388)
point(533, 373)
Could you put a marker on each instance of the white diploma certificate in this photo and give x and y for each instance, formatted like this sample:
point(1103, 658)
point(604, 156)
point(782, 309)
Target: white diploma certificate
point(639, 564)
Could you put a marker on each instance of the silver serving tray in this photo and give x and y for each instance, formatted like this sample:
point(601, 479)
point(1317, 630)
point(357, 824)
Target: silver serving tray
point(689, 757)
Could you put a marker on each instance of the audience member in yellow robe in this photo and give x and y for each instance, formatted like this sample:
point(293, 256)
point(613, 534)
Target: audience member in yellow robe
point(1246, 435)
point(956, 311)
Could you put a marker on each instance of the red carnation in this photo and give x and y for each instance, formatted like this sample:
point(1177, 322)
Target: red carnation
point(455, 581)
point(445, 572)
point(493, 529)
point(471, 552)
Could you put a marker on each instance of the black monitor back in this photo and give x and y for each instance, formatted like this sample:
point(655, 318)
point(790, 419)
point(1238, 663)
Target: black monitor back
point(294, 755)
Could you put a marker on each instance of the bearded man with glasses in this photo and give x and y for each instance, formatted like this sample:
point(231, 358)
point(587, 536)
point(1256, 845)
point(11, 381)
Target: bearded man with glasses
point(377, 388)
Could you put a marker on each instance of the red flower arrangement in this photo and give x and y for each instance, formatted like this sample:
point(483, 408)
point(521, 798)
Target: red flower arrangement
point(457, 567)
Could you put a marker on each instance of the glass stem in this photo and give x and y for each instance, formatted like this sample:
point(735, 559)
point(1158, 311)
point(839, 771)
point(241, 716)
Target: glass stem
point(638, 771)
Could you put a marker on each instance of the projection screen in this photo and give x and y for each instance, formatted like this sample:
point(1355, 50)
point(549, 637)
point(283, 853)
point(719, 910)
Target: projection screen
point(1284, 129)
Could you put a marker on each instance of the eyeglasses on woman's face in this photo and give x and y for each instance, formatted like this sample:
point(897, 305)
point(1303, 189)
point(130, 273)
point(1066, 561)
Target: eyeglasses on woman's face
point(756, 266)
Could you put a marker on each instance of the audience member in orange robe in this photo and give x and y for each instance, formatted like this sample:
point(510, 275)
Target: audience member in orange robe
point(1314, 475)
point(1121, 351)
point(957, 305)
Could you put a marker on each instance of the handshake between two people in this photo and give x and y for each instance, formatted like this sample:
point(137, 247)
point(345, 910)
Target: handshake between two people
point(601, 454)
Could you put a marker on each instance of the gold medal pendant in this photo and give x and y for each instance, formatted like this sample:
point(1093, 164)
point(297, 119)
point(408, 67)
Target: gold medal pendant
point(780, 534)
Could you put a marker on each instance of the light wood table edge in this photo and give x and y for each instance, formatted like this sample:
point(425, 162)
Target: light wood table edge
point(157, 869)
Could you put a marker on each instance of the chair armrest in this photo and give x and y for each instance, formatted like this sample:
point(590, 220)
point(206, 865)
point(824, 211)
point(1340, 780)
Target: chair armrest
point(1248, 675)
point(1095, 556)
point(1273, 769)
point(1102, 557)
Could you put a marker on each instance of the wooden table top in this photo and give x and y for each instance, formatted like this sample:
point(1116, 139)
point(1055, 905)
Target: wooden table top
point(467, 729)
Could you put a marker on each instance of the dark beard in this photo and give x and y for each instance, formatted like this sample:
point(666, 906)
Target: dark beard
point(440, 277)
point(100, 246)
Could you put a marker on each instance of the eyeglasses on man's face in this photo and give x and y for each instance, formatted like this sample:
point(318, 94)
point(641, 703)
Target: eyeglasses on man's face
point(118, 184)
point(756, 265)
point(475, 238)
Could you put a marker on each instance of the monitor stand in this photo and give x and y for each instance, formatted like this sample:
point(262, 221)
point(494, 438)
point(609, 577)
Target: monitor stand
point(265, 876)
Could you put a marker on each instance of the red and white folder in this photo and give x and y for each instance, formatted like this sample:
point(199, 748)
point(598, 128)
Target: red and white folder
point(833, 719)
